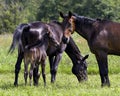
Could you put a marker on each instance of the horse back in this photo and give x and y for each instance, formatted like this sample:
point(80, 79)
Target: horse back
point(34, 33)
point(57, 30)
point(107, 35)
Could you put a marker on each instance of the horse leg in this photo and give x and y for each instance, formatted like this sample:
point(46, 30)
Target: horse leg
point(18, 67)
point(43, 72)
point(51, 60)
point(36, 75)
point(31, 72)
point(25, 71)
point(103, 68)
point(55, 66)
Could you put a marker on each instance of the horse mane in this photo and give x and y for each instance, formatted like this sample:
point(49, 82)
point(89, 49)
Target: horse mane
point(84, 20)
point(56, 22)
point(102, 20)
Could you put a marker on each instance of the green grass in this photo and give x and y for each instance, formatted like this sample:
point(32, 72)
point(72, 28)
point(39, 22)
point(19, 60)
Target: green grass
point(66, 83)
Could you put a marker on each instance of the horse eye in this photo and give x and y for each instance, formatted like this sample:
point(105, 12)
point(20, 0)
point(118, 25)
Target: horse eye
point(70, 30)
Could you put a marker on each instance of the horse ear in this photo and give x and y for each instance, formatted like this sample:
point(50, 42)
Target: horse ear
point(69, 14)
point(61, 15)
point(86, 56)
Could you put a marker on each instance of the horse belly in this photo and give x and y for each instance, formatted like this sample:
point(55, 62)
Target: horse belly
point(115, 48)
point(51, 51)
point(114, 43)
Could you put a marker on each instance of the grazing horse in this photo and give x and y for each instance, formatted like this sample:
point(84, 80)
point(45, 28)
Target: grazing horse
point(79, 64)
point(37, 55)
point(102, 37)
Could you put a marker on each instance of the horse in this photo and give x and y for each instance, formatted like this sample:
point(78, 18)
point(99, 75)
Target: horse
point(102, 37)
point(37, 55)
point(78, 60)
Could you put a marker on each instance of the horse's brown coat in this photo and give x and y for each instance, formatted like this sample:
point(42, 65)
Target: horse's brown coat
point(103, 38)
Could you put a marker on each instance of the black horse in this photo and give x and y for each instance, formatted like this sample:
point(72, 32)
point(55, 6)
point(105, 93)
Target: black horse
point(78, 60)
point(102, 36)
point(37, 55)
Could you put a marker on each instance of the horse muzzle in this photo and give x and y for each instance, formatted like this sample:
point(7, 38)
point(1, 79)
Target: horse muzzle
point(81, 77)
point(65, 40)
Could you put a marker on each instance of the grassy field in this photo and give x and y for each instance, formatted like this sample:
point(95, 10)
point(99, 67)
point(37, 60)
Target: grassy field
point(66, 83)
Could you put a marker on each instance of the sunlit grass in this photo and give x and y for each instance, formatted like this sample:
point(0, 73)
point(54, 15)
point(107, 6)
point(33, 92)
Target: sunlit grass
point(66, 83)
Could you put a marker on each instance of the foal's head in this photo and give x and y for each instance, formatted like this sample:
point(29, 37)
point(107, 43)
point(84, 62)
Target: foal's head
point(51, 37)
point(68, 27)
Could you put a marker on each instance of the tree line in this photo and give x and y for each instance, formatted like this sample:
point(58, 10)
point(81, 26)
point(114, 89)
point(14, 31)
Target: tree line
point(14, 12)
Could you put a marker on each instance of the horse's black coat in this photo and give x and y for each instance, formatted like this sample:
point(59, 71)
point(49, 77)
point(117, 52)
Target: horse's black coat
point(53, 51)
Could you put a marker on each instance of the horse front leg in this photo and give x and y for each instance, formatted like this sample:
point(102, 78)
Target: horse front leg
point(55, 67)
point(43, 72)
point(51, 60)
point(103, 68)
point(18, 67)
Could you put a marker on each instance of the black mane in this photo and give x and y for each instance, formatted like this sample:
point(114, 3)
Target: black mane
point(84, 20)
point(55, 21)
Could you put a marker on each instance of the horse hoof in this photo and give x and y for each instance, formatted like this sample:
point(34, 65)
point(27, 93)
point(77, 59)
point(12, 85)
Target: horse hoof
point(35, 84)
point(15, 84)
point(105, 84)
point(52, 81)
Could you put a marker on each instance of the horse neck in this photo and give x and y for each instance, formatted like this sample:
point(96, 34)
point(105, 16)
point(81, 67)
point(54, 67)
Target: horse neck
point(58, 29)
point(85, 30)
point(45, 44)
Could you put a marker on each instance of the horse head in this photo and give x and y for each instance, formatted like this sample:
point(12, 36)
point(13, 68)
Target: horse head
point(68, 27)
point(80, 70)
point(51, 37)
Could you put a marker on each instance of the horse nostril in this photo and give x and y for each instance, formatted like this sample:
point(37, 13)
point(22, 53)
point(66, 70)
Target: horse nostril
point(65, 40)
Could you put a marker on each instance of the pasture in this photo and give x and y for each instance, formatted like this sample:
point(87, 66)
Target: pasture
point(66, 83)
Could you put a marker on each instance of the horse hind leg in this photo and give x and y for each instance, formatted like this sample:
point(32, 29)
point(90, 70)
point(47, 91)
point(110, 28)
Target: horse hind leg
point(103, 68)
point(25, 72)
point(18, 67)
point(31, 73)
point(36, 75)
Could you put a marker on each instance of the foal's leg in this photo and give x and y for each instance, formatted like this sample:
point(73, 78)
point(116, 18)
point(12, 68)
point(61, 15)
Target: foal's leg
point(103, 67)
point(18, 67)
point(31, 72)
point(36, 74)
point(43, 72)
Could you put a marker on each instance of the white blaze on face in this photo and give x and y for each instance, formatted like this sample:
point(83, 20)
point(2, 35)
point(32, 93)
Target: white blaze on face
point(38, 30)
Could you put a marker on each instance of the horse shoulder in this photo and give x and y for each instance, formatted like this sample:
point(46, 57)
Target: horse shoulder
point(99, 37)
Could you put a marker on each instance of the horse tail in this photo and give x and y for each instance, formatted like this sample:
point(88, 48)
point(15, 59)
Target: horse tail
point(17, 37)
